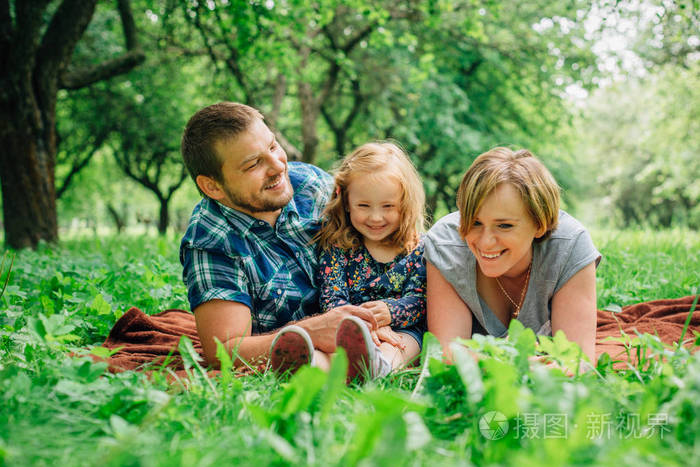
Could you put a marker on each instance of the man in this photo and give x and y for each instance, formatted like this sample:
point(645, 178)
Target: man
point(249, 263)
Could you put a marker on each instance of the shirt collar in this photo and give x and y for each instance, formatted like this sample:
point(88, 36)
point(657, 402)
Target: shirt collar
point(241, 221)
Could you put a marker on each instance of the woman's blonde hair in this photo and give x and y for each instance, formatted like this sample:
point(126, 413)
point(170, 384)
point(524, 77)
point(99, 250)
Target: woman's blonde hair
point(374, 159)
point(538, 189)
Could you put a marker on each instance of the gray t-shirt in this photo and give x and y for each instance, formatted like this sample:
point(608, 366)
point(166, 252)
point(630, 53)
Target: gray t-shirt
point(555, 260)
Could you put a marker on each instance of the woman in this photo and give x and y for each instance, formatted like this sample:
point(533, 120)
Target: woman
point(510, 253)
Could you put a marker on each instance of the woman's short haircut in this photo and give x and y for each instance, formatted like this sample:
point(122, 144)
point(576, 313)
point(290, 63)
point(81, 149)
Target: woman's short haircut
point(536, 185)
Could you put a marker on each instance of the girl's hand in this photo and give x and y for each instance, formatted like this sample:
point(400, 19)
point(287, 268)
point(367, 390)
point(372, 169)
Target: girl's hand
point(380, 310)
point(386, 334)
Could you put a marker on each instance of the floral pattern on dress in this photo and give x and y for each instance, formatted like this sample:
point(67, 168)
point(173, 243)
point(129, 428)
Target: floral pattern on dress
point(355, 277)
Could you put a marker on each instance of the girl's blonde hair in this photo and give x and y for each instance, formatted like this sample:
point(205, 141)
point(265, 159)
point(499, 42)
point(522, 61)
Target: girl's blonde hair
point(538, 189)
point(374, 159)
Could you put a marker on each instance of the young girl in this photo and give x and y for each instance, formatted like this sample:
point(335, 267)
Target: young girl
point(372, 256)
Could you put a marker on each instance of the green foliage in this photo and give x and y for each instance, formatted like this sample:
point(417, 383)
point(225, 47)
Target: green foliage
point(643, 133)
point(58, 405)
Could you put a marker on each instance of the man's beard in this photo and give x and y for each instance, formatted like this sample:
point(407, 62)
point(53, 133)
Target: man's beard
point(261, 204)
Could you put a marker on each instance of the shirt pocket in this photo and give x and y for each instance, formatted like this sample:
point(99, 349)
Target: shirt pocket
point(274, 291)
point(279, 299)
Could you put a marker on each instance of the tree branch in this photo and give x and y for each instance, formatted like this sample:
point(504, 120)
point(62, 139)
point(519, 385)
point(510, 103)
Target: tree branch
point(128, 24)
point(77, 167)
point(64, 31)
point(232, 62)
point(280, 91)
point(81, 77)
point(177, 184)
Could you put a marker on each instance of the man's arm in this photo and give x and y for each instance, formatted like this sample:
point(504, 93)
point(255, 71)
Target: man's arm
point(230, 322)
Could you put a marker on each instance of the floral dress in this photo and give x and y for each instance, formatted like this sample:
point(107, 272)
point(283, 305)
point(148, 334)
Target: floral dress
point(354, 277)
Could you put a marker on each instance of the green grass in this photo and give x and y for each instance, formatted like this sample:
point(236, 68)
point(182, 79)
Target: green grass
point(646, 265)
point(58, 409)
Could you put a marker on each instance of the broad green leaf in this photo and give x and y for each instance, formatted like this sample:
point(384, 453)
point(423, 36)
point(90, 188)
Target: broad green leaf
point(100, 305)
point(502, 390)
point(432, 351)
point(224, 360)
point(335, 383)
point(104, 352)
point(301, 390)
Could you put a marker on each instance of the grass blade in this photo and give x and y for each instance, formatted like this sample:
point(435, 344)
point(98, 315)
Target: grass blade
point(687, 320)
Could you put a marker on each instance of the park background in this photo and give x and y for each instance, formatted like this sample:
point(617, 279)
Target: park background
point(93, 100)
point(607, 93)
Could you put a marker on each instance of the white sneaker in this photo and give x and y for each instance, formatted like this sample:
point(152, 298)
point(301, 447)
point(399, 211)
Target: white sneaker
point(365, 360)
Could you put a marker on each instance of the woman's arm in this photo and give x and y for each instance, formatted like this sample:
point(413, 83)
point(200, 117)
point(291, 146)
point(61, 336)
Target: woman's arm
point(448, 316)
point(574, 310)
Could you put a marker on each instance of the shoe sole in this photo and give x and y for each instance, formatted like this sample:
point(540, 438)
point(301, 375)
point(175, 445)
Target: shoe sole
point(351, 337)
point(290, 351)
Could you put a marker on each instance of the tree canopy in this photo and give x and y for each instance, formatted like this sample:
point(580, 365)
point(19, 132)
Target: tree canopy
point(446, 79)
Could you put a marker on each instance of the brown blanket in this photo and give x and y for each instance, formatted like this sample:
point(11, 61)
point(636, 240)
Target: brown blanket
point(145, 340)
point(664, 318)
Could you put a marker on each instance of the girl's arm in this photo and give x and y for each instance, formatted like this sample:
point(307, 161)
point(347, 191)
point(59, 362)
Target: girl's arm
point(409, 274)
point(332, 279)
point(574, 310)
point(448, 316)
point(406, 279)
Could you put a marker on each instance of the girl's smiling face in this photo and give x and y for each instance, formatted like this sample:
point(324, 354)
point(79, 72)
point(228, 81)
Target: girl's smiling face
point(374, 206)
point(502, 233)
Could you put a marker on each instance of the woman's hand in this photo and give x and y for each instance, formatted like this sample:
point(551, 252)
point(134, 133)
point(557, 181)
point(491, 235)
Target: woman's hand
point(380, 310)
point(386, 334)
point(551, 364)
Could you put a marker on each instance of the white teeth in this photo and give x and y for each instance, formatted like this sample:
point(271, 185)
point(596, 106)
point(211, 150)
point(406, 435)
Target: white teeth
point(490, 256)
point(274, 184)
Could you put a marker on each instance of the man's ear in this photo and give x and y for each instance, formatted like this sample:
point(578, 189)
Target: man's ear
point(210, 187)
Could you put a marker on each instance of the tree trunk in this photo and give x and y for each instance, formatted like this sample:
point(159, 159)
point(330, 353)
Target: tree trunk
point(35, 59)
point(163, 218)
point(309, 117)
point(27, 159)
point(119, 219)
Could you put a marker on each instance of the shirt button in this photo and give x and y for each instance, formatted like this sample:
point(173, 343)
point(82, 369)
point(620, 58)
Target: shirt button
point(279, 291)
point(298, 254)
point(261, 223)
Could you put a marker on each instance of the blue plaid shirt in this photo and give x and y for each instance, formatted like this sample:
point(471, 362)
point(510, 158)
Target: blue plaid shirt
point(229, 255)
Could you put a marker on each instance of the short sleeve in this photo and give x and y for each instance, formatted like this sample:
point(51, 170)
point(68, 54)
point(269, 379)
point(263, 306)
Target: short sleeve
point(209, 276)
point(582, 253)
point(448, 252)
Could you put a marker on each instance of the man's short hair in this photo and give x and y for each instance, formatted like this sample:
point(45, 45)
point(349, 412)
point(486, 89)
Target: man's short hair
point(207, 127)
